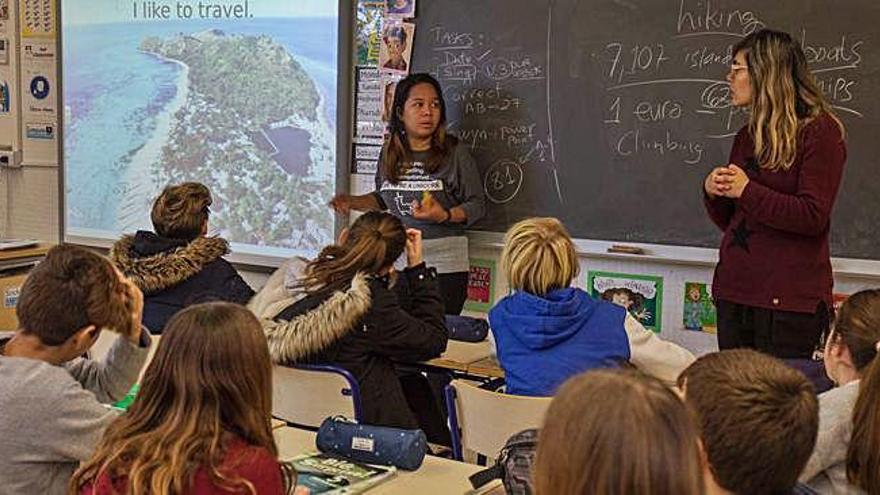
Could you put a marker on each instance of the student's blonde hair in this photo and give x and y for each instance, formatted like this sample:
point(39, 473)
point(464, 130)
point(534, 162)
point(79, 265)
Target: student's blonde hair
point(538, 256)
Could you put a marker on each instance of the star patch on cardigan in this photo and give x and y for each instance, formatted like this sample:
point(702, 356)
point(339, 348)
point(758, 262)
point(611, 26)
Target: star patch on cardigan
point(751, 165)
point(741, 235)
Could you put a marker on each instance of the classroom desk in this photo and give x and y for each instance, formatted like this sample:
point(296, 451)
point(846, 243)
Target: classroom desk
point(472, 359)
point(459, 355)
point(487, 367)
point(437, 476)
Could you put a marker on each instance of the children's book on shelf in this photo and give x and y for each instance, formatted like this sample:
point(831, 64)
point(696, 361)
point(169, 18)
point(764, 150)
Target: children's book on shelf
point(328, 475)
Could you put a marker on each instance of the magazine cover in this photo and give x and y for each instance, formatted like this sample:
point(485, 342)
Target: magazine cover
point(327, 475)
point(401, 8)
point(370, 14)
point(480, 288)
point(396, 48)
point(699, 310)
point(641, 295)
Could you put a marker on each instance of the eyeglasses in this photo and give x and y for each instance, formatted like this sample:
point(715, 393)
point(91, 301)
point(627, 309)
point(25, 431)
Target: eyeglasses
point(734, 68)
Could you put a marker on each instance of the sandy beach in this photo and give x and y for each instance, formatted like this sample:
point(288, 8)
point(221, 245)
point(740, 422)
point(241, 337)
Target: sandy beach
point(134, 209)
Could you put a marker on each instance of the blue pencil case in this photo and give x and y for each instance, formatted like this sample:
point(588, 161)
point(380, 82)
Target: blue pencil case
point(404, 449)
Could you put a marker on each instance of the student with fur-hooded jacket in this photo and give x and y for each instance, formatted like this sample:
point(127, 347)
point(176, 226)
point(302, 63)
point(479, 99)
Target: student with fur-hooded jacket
point(349, 308)
point(179, 266)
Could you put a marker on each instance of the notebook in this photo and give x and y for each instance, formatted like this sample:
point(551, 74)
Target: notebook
point(327, 475)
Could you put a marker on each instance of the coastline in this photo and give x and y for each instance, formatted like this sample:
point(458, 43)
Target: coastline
point(139, 190)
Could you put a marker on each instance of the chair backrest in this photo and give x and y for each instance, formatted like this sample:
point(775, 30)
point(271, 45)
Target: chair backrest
point(482, 420)
point(304, 395)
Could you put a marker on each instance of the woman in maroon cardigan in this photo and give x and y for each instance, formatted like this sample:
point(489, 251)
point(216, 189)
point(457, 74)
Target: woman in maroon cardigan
point(773, 202)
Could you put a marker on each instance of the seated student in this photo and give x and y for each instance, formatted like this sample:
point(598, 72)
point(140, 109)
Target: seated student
point(547, 331)
point(52, 411)
point(349, 308)
point(758, 419)
point(179, 265)
point(610, 432)
point(850, 356)
point(201, 421)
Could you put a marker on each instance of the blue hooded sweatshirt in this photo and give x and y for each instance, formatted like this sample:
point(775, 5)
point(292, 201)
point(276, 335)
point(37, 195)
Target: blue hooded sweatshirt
point(542, 341)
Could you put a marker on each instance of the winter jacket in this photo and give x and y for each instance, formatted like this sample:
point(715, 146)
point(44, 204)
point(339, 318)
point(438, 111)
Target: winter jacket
point(364, 329)
point(542, 341)
point(174, 274)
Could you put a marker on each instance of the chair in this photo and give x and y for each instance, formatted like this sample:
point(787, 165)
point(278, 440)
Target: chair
point(304, 395)
point(482, 420)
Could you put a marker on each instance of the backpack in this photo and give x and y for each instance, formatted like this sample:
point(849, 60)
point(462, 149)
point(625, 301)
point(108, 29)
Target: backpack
point(514, 464)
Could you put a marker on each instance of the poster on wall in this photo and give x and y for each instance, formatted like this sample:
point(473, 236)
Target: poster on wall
point(641, 295)
point(481, 286)
point(369, 127)
point(396, 50)
point(698, 309)
point(366, 158)
point(369, 18)
point(238, 95)
point(401, 8)
point(37, 18)
point(38, 82)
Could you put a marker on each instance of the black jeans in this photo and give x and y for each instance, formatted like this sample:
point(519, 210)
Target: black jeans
point(784, 334)
point(453, 290)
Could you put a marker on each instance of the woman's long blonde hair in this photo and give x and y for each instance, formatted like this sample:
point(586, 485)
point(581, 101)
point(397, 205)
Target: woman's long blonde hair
point(617, 431)
point(785, 96)
point(210, 379)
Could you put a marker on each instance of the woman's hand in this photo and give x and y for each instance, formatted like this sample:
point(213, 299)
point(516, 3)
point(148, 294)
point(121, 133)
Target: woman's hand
point(718, 181)
point(737, 181)
point(430, 210)
point(413, 247)
point(341, 203)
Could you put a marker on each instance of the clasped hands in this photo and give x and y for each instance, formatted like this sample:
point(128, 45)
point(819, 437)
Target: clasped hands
point(726, 181)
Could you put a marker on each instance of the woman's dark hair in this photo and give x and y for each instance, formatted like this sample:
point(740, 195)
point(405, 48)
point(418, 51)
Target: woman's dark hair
point(374, 241)
point(397, 152)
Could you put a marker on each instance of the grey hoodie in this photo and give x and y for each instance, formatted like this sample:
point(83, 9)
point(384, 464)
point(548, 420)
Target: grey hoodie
point(53, 416)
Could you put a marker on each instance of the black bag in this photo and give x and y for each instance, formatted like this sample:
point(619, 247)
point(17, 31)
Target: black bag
point(514, 464)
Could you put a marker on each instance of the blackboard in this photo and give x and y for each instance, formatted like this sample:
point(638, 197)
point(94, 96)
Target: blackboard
point(609, 114)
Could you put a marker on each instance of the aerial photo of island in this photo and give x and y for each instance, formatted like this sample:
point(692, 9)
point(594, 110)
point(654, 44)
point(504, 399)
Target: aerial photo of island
point(246, 106)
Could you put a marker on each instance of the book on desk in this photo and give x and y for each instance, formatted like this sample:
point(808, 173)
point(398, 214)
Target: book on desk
point(327, 475)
